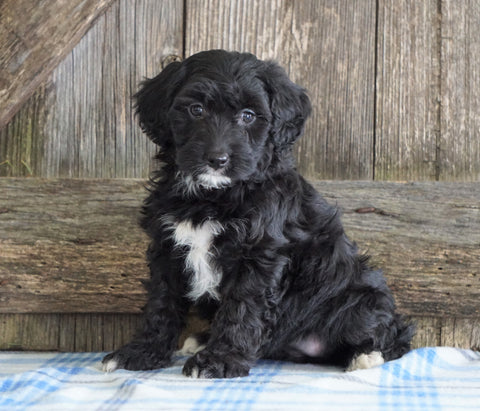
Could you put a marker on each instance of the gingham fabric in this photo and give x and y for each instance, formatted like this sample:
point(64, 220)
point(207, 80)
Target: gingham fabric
point(425, 379)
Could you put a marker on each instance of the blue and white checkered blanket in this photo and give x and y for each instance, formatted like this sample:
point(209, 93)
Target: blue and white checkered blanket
point(425, 379)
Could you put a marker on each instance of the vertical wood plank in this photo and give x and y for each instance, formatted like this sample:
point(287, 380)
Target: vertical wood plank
point(407, 109)
point(126, 45)
point(459, 148)
point(327, 47)
point(88, 336)
point(66, 338)
point(21, 141)
point(106, 332)
point(29, 332)
point(83, 123)
point(428, 332)
point(461, 332)
point(67, 332)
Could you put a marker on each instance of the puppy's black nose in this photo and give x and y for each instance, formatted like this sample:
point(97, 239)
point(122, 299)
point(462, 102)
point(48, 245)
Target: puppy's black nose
point(218, 160)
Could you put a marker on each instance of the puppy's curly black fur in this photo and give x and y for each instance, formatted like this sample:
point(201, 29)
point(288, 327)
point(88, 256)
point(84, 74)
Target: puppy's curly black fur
point(238, 233)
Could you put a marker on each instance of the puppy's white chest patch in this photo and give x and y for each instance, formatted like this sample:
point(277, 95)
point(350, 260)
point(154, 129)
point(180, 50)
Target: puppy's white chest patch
point(199, 259)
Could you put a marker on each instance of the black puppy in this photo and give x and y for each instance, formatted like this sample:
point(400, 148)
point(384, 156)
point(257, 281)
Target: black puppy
point(239, 234)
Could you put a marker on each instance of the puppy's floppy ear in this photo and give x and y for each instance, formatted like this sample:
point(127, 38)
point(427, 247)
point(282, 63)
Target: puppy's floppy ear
point(153, 101)
point(289, 104)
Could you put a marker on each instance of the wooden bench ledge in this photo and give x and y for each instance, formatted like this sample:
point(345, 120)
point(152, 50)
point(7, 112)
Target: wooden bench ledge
point(74, 246)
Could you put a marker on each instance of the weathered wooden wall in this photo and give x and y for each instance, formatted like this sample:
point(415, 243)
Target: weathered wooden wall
point(393, 84)
point(80, 122)
point(326, 46)
point(74, 245)
point(73, 248)
point(427, 109)
point(31, 49)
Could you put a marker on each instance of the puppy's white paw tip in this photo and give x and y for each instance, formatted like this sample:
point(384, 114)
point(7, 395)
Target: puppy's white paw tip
point(110, 366)
point(195, 373)
point(365, 361)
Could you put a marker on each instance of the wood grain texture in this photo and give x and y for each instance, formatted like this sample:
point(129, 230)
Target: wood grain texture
point(22, 141)
point(459, 148)
point(106, 332)
point(29, 332)
point(428, 332)
point(328, 47)
point(461, 332)
point(392, 83)
point(82, 250)
point(81, 123)
point(73, 246)
point(66, 332)
point(76, 332)
point(423, 235)
point(34, 38)
point(408, 89)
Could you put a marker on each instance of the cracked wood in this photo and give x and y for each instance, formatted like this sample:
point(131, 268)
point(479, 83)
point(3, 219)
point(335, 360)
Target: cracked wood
point(74, 246)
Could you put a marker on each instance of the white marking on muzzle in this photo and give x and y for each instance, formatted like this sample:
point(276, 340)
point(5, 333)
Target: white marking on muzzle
point(213, 181)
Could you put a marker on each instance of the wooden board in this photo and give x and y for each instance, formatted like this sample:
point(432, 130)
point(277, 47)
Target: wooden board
point(106, 332)
point(82, 250)
point(427, 110)
point(459, 154)
point(328, 47)
point(34, 38)
point(392, 83)
point(81, 122)
point(66, 332)
point(73, 246)
point(407, 90)
point(461, 332)
point(428, 332)
point(76, 332)
point(426, 237)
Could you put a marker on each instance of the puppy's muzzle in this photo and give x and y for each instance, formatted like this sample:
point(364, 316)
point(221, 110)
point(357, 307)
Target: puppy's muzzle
point(218, 160)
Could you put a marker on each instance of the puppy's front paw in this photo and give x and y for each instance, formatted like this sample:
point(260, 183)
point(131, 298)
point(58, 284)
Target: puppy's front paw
point(135, 356)
point(207, 365)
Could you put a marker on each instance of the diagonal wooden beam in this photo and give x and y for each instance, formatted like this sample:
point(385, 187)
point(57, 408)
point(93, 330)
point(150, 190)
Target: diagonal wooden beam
point(34, 37)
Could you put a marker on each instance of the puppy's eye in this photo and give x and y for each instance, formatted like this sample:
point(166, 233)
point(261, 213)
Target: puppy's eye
point(196, 110)
point(247, 116)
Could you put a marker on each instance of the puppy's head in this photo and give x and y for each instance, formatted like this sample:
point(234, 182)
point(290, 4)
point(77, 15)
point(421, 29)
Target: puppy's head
point(222, 116)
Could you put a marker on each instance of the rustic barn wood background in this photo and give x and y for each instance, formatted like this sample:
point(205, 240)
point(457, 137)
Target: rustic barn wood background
point(395, 86)
point(394, 83)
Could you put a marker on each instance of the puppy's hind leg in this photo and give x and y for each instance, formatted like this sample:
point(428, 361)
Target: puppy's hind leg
point(373, 332)
point(364, 361)
point(396, 342)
